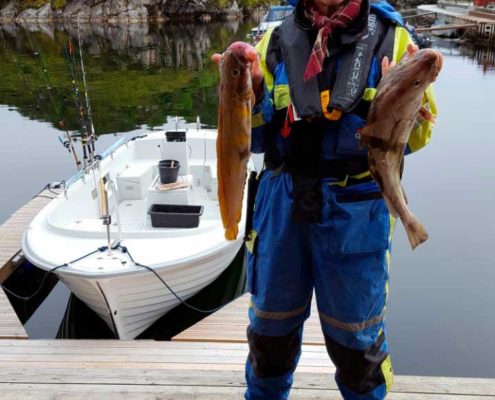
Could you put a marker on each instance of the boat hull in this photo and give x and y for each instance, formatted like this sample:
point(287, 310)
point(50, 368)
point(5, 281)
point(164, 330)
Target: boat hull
point(129, 304)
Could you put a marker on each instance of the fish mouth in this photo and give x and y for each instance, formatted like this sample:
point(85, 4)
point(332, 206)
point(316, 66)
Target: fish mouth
point(241, 60)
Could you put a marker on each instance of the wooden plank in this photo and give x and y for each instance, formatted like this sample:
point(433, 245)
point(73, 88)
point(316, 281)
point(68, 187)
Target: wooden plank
point(207, 375)
point(85, 370)
point(114, 392)
point(154, 392)
point(137, 354)
point(168, 358)
point(231, 375)
point(108, 362)
point(10, 326)
point(444, 27)
point(7, 270)
point(229, 325)
point(205, 386)
point(169, 392)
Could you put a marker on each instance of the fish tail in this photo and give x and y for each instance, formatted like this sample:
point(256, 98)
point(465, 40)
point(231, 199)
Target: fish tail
point(416, 232)
point(231, 232)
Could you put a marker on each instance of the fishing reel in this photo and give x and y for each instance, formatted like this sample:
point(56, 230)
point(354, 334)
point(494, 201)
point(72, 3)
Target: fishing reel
point(65, 143)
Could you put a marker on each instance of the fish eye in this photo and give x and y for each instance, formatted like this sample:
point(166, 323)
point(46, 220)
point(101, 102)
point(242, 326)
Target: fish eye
point(236, 72)
point(416, 83)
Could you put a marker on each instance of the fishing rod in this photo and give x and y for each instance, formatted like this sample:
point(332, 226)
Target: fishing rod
point(70, 59)
point(86, 92)
point(17, 63)
point(68, 143)
point(44, 69)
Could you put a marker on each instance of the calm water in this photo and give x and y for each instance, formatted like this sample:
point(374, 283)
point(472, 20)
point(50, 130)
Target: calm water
point(441, 319)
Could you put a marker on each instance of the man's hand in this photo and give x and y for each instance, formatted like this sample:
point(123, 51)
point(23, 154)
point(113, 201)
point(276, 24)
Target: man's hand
point(387, 65)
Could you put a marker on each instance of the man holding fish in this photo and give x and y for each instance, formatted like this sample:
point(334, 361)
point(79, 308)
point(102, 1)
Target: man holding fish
point(334, 112)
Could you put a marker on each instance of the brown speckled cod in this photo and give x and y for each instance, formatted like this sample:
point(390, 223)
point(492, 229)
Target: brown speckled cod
point(236, 99)
point(391, 119)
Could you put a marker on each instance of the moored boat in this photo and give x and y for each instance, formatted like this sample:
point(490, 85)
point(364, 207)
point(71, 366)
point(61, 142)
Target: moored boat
point(118, 236)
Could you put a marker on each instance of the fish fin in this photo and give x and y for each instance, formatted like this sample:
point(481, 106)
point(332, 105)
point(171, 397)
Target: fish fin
point(405, 196)
point(244, 153)
point(365, 136)
point(427, 115)
point(416, 232)
point(364, 140)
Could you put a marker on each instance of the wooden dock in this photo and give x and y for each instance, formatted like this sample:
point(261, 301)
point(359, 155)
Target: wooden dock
point(457, 14)
point(229, 325)
point(145, 370)
point(10, 247)
point(206, 362)
point(462, 18)
point(10, 326)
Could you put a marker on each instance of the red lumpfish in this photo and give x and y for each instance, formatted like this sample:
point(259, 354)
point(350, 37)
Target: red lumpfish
point(236, 99)
point(391, 119)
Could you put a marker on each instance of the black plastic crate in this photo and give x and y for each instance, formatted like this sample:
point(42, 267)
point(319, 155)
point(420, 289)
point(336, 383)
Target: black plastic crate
point(175, 136)
point(175, 216)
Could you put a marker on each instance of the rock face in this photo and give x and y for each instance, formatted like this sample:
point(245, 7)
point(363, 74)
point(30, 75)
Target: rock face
point(10, 11)
point(115, 11)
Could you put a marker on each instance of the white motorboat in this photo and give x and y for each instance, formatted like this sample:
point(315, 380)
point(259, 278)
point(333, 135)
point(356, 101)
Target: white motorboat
point(120, 190)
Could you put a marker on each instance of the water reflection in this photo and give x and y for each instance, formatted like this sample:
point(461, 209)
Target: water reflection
point(483, 56)
point(184, 45)
point(138, 73)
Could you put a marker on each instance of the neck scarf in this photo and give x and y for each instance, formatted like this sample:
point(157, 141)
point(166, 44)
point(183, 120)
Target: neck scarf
point(341, 18)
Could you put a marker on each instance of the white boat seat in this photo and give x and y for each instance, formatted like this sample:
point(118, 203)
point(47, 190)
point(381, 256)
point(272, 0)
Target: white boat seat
point(133, 182)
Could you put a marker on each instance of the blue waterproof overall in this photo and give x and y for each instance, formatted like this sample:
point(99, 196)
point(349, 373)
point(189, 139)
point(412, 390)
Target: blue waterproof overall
point(343, 258)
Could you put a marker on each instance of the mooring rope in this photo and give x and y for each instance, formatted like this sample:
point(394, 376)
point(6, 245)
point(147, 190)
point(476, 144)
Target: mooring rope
point(47, 274)
point(126, 251)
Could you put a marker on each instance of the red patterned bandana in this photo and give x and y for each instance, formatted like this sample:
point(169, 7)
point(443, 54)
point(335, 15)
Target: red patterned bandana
point(325, 25)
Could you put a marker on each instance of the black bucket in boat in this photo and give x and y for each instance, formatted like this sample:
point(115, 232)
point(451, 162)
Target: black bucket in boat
point(169, 169)
point(175, 136)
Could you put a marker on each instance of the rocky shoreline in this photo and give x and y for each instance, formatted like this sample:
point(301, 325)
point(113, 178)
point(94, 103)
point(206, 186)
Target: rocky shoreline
point(121, 11)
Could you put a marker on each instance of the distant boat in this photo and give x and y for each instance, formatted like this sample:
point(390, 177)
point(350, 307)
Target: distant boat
point(274, 17)
point(177, 233)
